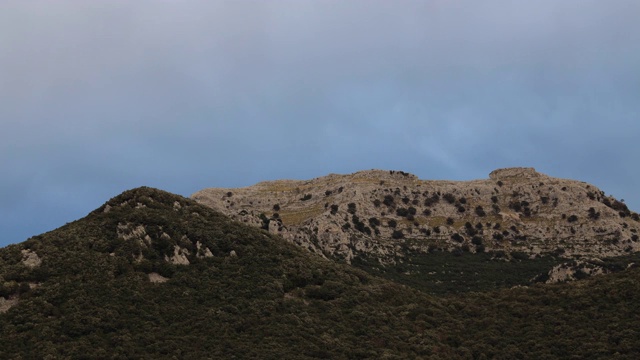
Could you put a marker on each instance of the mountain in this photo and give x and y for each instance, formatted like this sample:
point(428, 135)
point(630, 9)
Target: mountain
point(389, 218)
point(154, 275)
point(151, 275)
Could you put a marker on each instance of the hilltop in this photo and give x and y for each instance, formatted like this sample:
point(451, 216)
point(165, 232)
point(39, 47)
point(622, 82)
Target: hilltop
point(383, 216)
point(383, 212)
point(153, 275)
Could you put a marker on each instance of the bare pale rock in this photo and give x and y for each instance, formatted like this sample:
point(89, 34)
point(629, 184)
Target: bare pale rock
point(179, 256)
point(6, 304)
point(157, 278)
point(384, 213)
point(202, 251)
point(30, 259)
point(570, 271)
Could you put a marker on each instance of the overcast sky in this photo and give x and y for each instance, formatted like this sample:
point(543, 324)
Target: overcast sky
point(97, 97)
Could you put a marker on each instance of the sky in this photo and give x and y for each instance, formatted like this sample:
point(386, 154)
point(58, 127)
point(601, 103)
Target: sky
point(97, 97)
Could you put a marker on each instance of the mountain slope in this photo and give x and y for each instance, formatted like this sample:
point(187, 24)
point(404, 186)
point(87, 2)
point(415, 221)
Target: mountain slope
point(383, 213)
point(520, 226)
point(154, 275)
point(151, 274)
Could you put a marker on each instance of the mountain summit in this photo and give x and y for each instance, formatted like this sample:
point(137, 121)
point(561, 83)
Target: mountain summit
point(384, 213)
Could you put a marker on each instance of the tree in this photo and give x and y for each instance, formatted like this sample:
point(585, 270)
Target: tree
point(351, 208)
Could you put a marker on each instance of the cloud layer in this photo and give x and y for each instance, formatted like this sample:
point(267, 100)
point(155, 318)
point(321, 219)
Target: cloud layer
point(98, 97)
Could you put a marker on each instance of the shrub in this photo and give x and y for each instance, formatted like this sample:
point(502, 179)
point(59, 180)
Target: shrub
point(397, 234)
point(572, 218)
point(411, 210)
point(360, 226)
point(450, 198)
point(265, 221)
point(392, 223)
point(374, 222)
point(306, 197)
point(434, 199)
point(457, 237)
point(351, 208)
point(480, 211)
point(449, 221)
point(471, 231)
point(426, 212)
point(376, 203)
point(402, 212)
point(276, 207)
point(517, 255)
point(388, 200)
point(494, 199)
point(334, 209)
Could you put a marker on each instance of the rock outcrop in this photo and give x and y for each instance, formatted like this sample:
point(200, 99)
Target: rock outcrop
point(387, 213)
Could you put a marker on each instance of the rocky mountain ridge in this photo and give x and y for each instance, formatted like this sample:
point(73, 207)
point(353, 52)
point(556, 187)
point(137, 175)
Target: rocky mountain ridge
point(387, 213)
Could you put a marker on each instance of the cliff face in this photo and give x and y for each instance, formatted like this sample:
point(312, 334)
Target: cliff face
point(386, 213)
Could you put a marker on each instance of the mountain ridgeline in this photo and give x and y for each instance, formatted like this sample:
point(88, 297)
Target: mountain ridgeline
point(391, 219)
point(384, 213)
point(153, 275)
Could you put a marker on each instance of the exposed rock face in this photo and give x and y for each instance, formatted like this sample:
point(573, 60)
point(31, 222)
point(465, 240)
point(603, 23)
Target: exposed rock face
point(130, 232)
point(30, 259)
point(384, 213)
point(6, 304)
point(157, 278)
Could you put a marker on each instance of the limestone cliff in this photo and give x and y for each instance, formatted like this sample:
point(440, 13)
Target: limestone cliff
point(386, 213)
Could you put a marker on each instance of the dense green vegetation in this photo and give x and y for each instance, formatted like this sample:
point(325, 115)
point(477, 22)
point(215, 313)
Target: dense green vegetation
point(257, 296)
point(442, 272)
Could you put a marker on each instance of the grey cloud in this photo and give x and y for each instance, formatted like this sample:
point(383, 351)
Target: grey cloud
point(96, 97)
